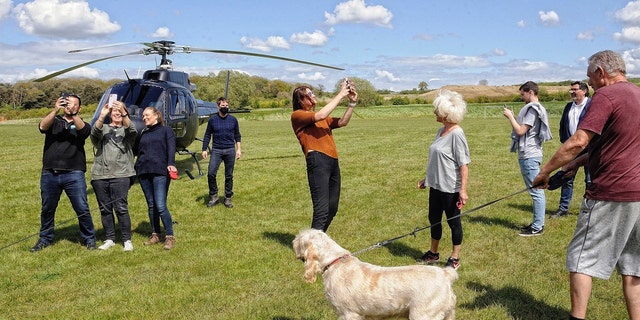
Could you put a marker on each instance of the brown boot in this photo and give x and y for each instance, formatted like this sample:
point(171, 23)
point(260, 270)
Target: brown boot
point(152, 240)
point(169, 242)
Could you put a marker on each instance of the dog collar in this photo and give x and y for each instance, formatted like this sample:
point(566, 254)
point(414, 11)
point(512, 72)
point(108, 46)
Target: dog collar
point(334, 262)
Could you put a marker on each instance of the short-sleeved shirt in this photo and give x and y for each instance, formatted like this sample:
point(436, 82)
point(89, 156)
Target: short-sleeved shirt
point(314, 135)
point(614, 152)
point(446, 155)
point(532, 146)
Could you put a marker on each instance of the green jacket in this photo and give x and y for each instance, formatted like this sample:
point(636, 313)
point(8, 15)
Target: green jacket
point(113, 152)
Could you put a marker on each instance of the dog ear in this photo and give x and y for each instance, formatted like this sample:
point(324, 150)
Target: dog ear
point(311, 265)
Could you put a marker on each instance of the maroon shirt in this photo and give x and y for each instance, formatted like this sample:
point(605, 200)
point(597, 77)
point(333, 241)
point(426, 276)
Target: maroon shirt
point(614, 152)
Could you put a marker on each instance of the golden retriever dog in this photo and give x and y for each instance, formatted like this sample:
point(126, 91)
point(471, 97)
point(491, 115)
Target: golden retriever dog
point(360, 290)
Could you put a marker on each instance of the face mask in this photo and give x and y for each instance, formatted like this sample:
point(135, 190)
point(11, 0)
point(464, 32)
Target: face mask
point(224, 111)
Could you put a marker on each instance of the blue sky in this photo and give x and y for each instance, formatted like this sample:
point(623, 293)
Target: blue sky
point(393, 44)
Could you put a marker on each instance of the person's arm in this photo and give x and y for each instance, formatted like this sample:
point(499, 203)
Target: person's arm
point(326, 111)
point(47, 121)
point(353, 99)
point(519, 129)
point(567, 153)
point(464, 174)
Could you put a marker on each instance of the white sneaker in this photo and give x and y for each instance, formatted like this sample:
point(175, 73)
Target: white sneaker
point(107, 244)
point(128, 246)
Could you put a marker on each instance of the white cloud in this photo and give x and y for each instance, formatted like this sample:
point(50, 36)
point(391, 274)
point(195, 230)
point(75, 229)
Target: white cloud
point(628, 34)
point(70, 19)
point(550, 18)
point(521, 24)
point(499, 52)
point(311, 77)
point(587, 35)
point(265, 45)
point(163, 33)
point(383, 74)
point(630, 17)
point(356, 11)
point(5, 8)
point(630, 14)
point(316, 39)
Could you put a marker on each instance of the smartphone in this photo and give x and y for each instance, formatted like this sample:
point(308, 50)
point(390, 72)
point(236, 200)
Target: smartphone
point(64, 97)
point(112, 97)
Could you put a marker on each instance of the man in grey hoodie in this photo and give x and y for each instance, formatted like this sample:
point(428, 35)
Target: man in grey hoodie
point(529, 131)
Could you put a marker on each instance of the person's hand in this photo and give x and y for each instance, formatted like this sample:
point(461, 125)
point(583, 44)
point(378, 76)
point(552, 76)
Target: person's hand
point(60, 104)
point(421, 184)
point(541, 181)
point(105, 111)
point(462, 199)
point(238, 154)
point(204, 154)
point(507, 113)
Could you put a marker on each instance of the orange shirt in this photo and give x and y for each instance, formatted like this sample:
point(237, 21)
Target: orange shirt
point(314, 135)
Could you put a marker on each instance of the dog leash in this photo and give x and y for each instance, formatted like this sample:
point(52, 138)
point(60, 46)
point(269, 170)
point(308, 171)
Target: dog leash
point(554, 182)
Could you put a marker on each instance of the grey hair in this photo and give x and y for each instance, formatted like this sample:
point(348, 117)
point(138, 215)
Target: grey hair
point(611, 62)
point(450, 105)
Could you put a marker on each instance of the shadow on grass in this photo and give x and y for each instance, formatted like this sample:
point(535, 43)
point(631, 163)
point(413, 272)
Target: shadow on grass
point(284, 239)
point(507, 223)
point(288, 318)
point(402, 250)
point(519, 304)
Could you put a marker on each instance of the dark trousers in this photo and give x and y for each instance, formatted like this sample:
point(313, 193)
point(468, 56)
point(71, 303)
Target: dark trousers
point(442, 201)
point(323, 173)
point(74, 185)
point(112, 197)
point(228, 156)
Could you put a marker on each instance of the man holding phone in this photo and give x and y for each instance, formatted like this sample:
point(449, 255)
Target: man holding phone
point(63, 169)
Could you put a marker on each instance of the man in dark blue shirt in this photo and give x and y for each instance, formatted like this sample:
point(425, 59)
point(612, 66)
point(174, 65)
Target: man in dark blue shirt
point(224, 131)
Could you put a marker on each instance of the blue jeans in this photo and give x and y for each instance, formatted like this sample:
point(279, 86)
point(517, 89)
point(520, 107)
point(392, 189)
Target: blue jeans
point(74, 185)
point(567, 190)
point(155, 189)
point(323, 173)
point(217, 157)
point(112, 196)
point(530, 169)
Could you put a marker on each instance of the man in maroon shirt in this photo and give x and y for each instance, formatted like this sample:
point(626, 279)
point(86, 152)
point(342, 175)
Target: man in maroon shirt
point(607, 234)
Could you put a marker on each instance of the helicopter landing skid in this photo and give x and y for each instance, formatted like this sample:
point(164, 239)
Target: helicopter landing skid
point(195, 158)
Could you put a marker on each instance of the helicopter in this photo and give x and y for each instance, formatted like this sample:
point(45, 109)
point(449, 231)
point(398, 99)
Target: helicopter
point(167, 90)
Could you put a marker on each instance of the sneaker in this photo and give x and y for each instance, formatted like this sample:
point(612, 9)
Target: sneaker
point(453, 263)
point(525, 228)
point(91, 245)
point(429, 257)
point(227, 202)
point(39, 246)
point(213, 200)
point(152, 240)
point(531, 232)
point(169, 242)
point(128, 246)
point(558, 214)
point(107, 244)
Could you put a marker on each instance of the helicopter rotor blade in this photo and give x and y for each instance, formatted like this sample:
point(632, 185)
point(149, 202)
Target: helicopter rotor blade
point(105, 46)
point(57, 73)
point(189, 49)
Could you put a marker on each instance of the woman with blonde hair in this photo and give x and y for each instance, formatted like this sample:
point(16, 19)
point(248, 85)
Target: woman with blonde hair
point(447, 173)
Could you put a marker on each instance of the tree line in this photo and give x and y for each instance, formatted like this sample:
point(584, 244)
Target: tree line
point(244, 91)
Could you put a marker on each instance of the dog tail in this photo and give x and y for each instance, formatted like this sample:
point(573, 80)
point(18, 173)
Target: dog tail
point(450, 273)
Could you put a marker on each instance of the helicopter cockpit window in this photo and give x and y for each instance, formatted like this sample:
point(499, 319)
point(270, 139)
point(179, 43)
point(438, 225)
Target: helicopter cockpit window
point(178, 105)
point(136, 97)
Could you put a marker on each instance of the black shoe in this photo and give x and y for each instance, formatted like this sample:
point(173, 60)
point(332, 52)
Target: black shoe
point(91, 245)
point(525, 228)
point(531, 232)
point(213, 200)
point(559, 213)
point(39, 246)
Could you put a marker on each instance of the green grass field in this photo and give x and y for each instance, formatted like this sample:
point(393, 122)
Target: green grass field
point(238, 263)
